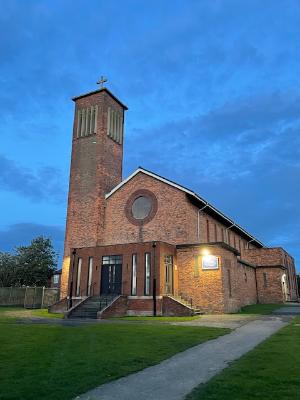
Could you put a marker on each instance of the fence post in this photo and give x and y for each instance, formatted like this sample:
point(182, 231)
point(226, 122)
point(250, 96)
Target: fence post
point(9, 300)
point(43, 297)
point(33, 305)
point(25, 296)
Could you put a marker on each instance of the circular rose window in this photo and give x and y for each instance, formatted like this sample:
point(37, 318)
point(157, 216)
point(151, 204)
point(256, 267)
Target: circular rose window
point(141, 207)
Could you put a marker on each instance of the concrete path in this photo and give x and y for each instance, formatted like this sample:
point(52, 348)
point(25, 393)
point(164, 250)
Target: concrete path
point(174, 378)
point(231, 321)
point(291, 309)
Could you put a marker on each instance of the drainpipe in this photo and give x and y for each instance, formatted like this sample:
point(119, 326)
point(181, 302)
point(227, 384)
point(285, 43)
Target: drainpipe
point(226, 230)
point(198, 220)
point(71, 283)
point(154, 279)
point(252, 240)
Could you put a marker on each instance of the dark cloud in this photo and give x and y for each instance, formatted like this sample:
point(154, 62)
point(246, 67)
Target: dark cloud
point(21, 235)
point(243, 157)
point(44, 184)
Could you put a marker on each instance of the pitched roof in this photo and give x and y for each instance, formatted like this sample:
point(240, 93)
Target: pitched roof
point(196, 200)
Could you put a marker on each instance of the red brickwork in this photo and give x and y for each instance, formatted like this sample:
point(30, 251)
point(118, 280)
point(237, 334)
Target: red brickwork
point(239, 284)
point(117, 309)
point(171, 307)
point(96, 168)
point(283, 270)
point(204, 287)
point(174, 222)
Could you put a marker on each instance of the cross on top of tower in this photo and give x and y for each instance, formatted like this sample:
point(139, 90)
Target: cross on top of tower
point(101, 81)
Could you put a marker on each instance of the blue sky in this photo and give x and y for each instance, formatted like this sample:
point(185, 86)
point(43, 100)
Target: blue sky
point(213, 95)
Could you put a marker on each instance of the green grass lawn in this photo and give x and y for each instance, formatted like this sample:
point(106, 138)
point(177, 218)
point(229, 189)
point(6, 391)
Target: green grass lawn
point(14, 313)
point(39, 361)
point(261, 309)
point(159, 319)
point(271, 371)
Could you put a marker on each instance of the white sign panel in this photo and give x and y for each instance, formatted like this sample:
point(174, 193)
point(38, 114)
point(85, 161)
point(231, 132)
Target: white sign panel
point(210, 262)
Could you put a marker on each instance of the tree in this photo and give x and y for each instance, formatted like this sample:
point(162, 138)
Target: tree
point(8, 270)
point(36, 262)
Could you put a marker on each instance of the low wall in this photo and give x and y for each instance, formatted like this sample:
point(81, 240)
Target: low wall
point(171, 307)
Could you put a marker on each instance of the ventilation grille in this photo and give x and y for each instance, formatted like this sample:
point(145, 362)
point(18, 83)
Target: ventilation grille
point(115, 125)
point(87, 121)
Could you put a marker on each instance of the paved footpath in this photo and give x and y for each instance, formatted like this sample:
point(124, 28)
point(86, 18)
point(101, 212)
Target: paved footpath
point(177, 376)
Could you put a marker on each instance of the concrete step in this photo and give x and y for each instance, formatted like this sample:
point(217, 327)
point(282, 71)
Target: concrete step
point(91, 306)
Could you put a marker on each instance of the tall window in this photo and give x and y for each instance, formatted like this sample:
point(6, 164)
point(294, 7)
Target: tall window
point(216, 233)
point(207, 230)
point(147, 273)
point(90, 274)
point(78, 276)
point(265, 279)
point(229, 283)
point(133, 274)
point(223, 238)
point(169, 274)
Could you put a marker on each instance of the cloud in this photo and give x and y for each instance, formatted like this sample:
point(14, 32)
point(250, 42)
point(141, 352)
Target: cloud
point(44, 184)
point(21, 234)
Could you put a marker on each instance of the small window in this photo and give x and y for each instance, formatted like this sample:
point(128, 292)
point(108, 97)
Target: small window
point(111, 260)
point(147, 273)
point(133, 275)
point(216, 233)
point(246, 278)
point(55, 279)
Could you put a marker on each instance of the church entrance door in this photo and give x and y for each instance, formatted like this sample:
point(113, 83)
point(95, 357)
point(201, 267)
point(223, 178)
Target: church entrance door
point(111, 275)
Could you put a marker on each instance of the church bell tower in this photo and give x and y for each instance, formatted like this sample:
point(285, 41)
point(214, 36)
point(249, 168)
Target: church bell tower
point(96, 168)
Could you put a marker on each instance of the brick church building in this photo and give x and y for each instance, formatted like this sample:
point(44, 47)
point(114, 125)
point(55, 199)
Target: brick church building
point(146, 245)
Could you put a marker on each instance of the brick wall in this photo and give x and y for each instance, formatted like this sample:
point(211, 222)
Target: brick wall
point(270, 288)
point(171, 307)
point(117, 309)
point(274, 257)
point(239, 284)
point(204, 287)
point(174, 222)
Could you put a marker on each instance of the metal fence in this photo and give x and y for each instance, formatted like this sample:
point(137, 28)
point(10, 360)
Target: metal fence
point(28, 297)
